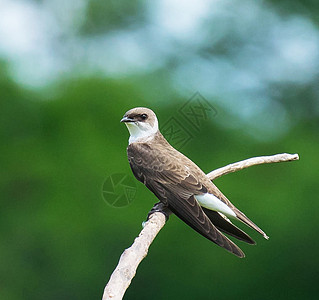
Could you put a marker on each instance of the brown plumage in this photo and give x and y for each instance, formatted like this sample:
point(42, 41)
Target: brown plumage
point(176, 181)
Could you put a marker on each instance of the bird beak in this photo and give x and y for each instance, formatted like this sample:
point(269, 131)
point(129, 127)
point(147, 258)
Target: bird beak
point(127, 119)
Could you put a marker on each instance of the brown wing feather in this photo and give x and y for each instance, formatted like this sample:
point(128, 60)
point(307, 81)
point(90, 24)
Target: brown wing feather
point(227, 227)
point(192, 214)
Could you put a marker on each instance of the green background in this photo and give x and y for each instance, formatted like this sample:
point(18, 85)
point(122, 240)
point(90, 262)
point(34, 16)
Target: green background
point(61, 139)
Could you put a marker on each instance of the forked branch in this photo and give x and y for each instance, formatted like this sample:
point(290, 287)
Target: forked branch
point(132, 256)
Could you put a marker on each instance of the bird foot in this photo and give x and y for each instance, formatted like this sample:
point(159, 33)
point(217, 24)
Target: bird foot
point(160, 207)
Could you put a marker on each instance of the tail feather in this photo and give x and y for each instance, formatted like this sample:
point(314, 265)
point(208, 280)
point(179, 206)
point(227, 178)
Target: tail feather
point(242, 217)
point(226, 226)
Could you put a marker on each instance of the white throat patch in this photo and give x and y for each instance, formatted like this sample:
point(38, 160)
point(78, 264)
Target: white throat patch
point(141, 131)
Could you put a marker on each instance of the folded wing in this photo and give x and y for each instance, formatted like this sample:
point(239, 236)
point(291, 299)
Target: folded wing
point(173, 184)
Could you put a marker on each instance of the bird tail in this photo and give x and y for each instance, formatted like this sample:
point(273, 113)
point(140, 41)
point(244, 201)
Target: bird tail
point(223, 224)
point(242, 217)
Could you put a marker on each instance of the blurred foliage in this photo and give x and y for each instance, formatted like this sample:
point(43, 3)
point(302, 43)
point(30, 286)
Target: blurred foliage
point(61, 240)
point(111, 15)
point(308, 8)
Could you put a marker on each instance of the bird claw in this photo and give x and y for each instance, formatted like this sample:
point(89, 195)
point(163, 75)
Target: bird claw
point(160, 207)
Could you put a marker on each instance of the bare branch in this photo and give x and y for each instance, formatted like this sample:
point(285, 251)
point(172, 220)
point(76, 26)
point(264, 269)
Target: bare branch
point(130, 259)
point(251, 162)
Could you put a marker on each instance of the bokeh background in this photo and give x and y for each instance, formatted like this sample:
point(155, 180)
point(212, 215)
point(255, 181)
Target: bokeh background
point(68, 72)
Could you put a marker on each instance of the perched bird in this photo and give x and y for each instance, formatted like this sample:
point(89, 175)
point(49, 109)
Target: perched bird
point(180, 184)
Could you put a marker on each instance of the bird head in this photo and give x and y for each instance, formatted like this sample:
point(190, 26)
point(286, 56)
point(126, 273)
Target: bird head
point(141, 122)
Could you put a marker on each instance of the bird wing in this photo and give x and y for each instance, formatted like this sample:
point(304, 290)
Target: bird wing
point(171, 181)
point(225, 225)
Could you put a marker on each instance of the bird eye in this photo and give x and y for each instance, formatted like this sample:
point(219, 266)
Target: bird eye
point(143, 116)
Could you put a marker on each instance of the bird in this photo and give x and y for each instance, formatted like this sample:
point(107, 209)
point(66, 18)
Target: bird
point(180, 185)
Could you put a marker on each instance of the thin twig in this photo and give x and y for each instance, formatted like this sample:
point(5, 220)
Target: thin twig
point(251, 162)
point(130, 259)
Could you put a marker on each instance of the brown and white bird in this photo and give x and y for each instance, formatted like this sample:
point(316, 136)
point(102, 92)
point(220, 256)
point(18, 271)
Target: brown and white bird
point(180, 184)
